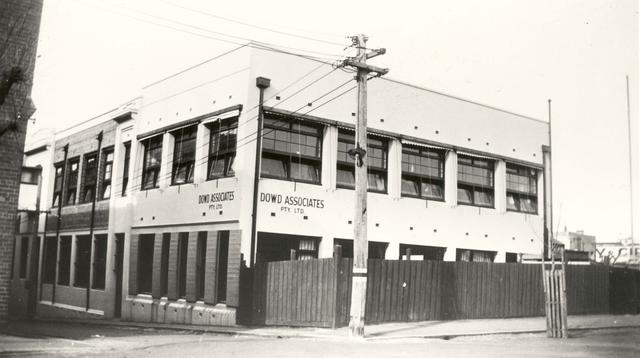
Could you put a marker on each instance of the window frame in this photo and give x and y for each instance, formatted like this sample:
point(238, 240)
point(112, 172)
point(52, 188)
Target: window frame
point(103, 180)
point(72, 185)
point(185, 136)
point(349, 165)
point(228, 126)
point(289, 158)
point(85, 176)
point(423, 178)
point(57, 179)
point(153, 143)
point(522, 194)
point(475, 187)
point(126, 164)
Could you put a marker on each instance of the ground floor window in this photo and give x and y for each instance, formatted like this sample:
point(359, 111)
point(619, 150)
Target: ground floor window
point(281, 247)
point(376, 250)
point(164, 264)
point(475, 255)
point(145, 262)
point(511, 257)
point(99, 262)
point(183, 247)
point(49, 257)
point(201, 259)
point(223, 262)
point(83, 261)
point(64, 262)
point(419, 252)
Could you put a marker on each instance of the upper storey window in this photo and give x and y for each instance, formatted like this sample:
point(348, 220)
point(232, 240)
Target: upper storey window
point(125, 173)
point(376, 162)
point(107, 174)
point(291, 150)
point(475, 181)
point(422, 172)
point(222, 148)
point(72, 182)
point(57, 184)
point(184, 155)
point(90, 174)
point(522, 189)
point(152, 161)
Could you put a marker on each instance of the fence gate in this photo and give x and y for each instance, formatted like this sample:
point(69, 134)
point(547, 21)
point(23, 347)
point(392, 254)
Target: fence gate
point(555, 289)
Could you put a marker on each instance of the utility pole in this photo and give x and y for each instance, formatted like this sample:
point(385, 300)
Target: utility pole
point(360, 244)
point(632, 251)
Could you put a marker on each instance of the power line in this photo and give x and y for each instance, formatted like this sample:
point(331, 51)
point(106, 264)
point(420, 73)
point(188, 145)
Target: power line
point(252, 25)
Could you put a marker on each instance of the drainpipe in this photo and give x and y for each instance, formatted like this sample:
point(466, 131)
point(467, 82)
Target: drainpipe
point(93, 215)
point(59, 220)
point(262, 83)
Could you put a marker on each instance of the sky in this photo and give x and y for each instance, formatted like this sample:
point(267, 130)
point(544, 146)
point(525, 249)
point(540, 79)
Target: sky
point(93, 55)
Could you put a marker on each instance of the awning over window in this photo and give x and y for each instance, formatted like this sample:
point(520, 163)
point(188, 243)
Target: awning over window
point(476, 155)
point(423, 145)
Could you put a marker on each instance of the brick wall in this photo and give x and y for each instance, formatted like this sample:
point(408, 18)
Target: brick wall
point(19, 28)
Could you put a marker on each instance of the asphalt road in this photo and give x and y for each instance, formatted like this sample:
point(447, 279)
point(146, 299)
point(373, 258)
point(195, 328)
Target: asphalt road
point(63, 340)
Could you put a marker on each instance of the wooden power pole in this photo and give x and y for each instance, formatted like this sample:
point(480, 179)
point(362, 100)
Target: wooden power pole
point(360, 245)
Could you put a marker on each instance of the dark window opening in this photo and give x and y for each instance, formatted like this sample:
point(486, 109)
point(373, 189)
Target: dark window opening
point(222, 148)
point(30, 175)
point(375, 250)
point(152, 161)
point(183, 246)
point(184, 155)
point(201, 259)
point(64, 264)
point(419, 252)
point(49, 265)
point(223, 260)
point(291, 150)
point(377, 156)
point(511, 257)
point(90, 177)
point(125, 173)
point(278, 247)
point(522, 189)
point(145, 262)
point(475, 181)
point(475, 255)
point(72, 182)
point(107, 174)
point(164, 264)
point(57, 184)
point(422, 173)
point(99, 262)
point(83, 260)
point(24, 256)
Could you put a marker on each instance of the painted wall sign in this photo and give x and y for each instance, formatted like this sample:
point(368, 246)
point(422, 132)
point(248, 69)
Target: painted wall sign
point(216, 200)
point(292, 203)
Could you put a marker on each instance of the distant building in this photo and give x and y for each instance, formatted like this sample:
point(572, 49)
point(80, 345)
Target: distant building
point(578, 245)
point(619, 253)
point(449, 179)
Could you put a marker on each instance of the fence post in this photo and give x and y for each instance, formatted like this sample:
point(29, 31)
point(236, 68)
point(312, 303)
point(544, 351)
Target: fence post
point(292, 255)
point(337, 260)
point(408, 254)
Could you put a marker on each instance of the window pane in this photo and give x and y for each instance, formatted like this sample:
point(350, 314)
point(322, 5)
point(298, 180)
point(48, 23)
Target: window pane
point(432, 190)
point(529, 205)
point(217, 168)
point(512, 202)
point(346, 177)
point(410, 187)
point(305, 171)
point(376, 181)
point(274, 167)
point(465, 196)
point(483, 198)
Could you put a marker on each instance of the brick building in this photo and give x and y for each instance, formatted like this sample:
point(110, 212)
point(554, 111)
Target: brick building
point(19, 28)
point(449, 179)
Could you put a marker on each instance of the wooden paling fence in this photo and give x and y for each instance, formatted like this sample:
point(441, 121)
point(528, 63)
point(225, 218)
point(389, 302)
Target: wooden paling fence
point(555, 301)
point(317, 292)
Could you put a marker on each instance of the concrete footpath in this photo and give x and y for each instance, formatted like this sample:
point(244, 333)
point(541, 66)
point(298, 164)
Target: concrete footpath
point(387, 331)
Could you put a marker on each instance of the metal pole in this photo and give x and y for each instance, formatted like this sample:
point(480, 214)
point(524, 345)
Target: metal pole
point(33, 271)
point(632, 234)
point(59, 220)
point(262, 83)
point(93, 216)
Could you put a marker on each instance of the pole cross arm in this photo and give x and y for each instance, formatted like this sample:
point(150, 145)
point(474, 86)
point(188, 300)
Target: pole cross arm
point(366, 67)
point(376, 52)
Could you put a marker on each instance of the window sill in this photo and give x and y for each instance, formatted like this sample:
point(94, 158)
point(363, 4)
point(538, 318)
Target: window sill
point(477, 206)
point(220, 177)
point(290, 180)
point(368, 191)
point(522, 212)
point(420, 197)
